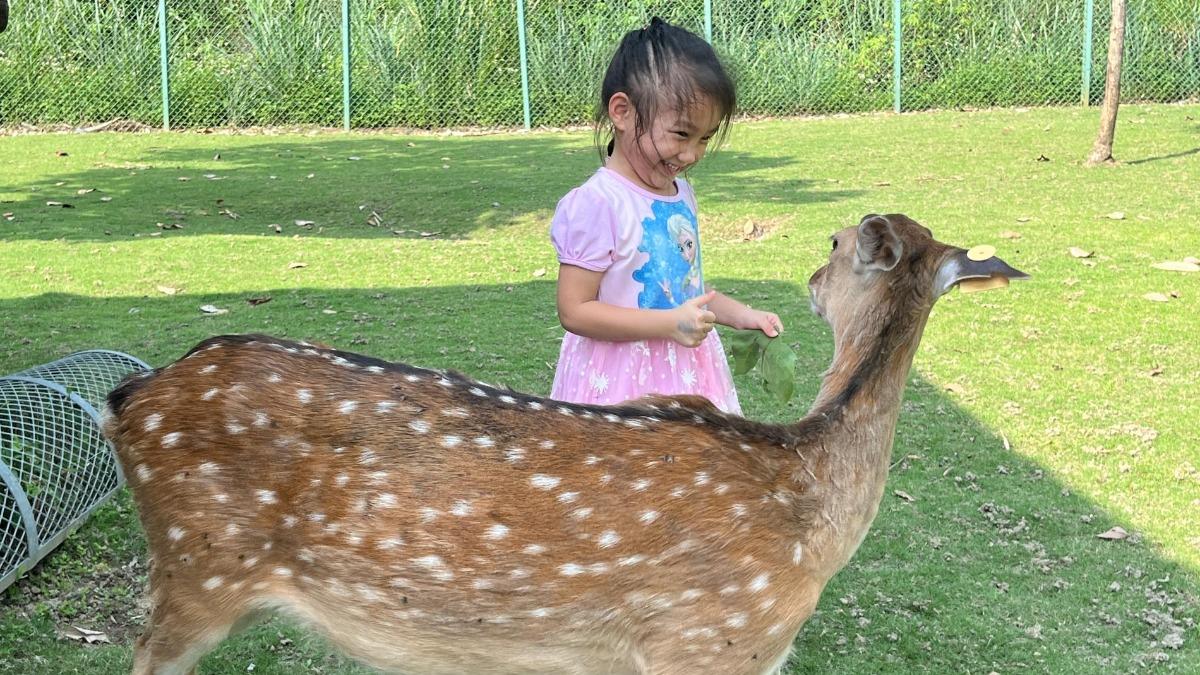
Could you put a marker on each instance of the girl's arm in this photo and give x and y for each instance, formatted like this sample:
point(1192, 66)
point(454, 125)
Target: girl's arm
point(582, 313)
point(734, 314)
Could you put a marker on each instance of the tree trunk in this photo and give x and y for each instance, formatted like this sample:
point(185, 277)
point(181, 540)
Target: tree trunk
point(1102, 150)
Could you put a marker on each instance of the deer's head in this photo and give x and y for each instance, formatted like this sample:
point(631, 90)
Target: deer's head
point(891, 263)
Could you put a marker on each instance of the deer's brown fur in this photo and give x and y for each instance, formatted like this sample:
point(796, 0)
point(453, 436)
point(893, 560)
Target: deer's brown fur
point(428, 523)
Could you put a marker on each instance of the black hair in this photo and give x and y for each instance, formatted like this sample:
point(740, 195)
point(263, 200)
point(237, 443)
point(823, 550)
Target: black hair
point(664, 65)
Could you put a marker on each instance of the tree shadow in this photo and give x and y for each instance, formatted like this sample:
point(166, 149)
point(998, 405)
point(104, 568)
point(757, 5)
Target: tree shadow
point(979, 555)
point(335, 185)
point(1173, 155)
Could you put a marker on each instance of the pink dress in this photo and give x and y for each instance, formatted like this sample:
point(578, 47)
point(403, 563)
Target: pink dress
point(648, 248)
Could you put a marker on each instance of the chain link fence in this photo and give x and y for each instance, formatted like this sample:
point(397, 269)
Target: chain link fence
point(448, 63)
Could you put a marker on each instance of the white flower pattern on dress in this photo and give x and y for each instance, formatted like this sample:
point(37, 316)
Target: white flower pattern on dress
point(599, 382)
point(689, 377)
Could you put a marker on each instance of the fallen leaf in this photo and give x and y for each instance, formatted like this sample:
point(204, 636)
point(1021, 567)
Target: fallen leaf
point(8, 215)
point(329, 311)
point(883, 183)
point(1190, 259)
point(212, 309)
point(304, 223)
point(229, 212)
point(1009, 234)
point(254, 302)
point(1155, 371)
point(311, 175)
point(430, 234)
point(167, 290)
point(170, 226)
point(296, 265)
point(183, 179)
point(106, 199)
point(1115, 534)
point(60, 153)
point(1116, 215)
point(84, 191)
point(60, 204)
point(1077, 252)
point(352, 158)
point(374, 220)
point(495, 204)
point(217, 156)
point(1173, 266)
point(955, 388)
point(84, 635)
point(1023, 219)
point(539, 272)
point(1042, 158)
point(903, 495)
point(1156, 297)
point(276, 227)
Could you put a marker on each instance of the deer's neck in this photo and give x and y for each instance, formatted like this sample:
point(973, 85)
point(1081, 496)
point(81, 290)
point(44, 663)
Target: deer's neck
point(857, 409)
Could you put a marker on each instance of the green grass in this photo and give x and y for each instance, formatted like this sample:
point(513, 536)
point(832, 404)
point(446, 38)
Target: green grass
point(1036, 417)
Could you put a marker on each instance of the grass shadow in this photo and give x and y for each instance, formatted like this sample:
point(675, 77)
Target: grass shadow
point(336, 185)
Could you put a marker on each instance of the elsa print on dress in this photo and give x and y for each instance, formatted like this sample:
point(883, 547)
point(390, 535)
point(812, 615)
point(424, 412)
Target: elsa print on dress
point(671, 275)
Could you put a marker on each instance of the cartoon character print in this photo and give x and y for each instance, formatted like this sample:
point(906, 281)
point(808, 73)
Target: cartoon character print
point(671, 275)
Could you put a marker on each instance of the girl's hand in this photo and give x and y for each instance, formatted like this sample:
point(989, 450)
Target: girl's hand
point(767, 322)
point(693, 322)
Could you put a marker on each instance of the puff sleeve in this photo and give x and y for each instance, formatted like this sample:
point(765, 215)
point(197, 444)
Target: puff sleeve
point(583, 230)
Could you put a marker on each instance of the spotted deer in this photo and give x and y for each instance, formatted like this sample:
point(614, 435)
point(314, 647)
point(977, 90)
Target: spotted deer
point(429, 523)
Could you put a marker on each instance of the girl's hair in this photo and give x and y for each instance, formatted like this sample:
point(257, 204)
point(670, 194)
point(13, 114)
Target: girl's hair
point(662, 65)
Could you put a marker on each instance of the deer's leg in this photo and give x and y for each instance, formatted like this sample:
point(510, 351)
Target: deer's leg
point(177, 636)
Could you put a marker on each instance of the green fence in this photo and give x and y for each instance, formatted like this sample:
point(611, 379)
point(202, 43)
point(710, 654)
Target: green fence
point(446, 63)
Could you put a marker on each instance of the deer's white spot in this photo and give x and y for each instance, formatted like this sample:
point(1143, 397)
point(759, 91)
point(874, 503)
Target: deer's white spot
point(412, 378)
point(234, 428)
point(384, 406)
point(265, 496)
point(282, 571)
point(153, 420)
point(631, 560)
point(721, 488)
point(608, 539)
point(290, 521)
point(514, 455)
point(171, 440)
point(568, 497)
point(341, 480)
point(221, 498)
point(347, 407)
point(690, 594)
point(497, 531)
point(250, 562)
point(231, 530)
point(570, 570)
point(389, 543)
point(210, 394)
point(648, 517)
point(535, 405)
point(303, 395)
point(429, 514)
point(730, 589)
point(546, 444)
point(701, 478)
point(581, 513)
point(520, 573)
point(541, 612)
point(484, 441)
point(208, 369)
point(316, 517)
point(505, 398)
point(457, 412)
point(478, 392)
point(385, 500)
point(419, 426)
point(797, 553)
point(274, 378)
point(261, 419)
point(737, 620)
point(461, 507)
point(367, 457)
point(533, 549)
point(451, 441)
point(143, 472)
point(175, 533)
point(759, 582)
point(738, 510)
point(641, 484)
point(544, 482)
point(213, 583)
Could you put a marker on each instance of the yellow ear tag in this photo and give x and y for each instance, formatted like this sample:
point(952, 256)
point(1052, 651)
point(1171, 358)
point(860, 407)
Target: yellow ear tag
point(981, 252)
point(976, 285)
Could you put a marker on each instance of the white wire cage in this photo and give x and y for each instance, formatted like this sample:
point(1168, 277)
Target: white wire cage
point(55, 467)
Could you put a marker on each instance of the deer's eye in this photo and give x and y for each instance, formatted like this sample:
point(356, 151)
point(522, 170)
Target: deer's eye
point(834, 244)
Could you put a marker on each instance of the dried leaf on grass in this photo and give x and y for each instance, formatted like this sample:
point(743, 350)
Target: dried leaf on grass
point(85, 635)
point(213, 309)
point(1156, 297)
point(1117, 533)
point(254, 302)
point(904, 495)
point(1177, 266)
point(1116, 215)
point(1077, 252)
point(167, 290)
point(296, 265)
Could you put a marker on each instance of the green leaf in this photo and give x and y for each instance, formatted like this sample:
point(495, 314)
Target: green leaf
point(779, 370)
point(746, 348)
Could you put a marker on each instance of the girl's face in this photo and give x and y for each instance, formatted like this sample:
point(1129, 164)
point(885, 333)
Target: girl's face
point(675, 141)
point(687, 245)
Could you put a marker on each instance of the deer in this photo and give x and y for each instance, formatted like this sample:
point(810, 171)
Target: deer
point(426, 522)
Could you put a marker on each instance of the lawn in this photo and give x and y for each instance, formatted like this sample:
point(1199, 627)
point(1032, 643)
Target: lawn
point(1036, 417)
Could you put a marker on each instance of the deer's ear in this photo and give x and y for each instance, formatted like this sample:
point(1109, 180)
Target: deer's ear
point(958, 267)
point(878, 247)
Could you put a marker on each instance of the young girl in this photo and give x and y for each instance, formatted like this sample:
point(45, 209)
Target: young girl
point(639, 320)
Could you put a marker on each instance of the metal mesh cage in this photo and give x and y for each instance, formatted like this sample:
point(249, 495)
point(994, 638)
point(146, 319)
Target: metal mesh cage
point(55, 467)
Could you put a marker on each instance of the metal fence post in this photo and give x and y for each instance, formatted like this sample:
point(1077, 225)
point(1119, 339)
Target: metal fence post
point(346, 65)
point(896, 55)
point(164, 67)
point(524, 61)
point(1086, 86)
point(708, 20)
